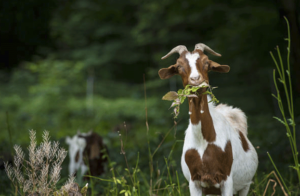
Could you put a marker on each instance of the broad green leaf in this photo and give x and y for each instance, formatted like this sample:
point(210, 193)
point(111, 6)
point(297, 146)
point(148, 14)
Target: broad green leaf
point(189, 91)
point(170, 96)
point(182, 100)
point(195, 88)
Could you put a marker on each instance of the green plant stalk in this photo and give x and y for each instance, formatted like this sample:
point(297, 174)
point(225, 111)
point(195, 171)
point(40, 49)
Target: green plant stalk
point(280, 105)
point(149, 150)
point(134, 177)
point(291, 140)
point(136, 168)
point(256, 190)
point(106, 180)
point(162, 141)
point(169, 174)
point(169, 156)
point(9, 133)
point(172, 149)
point(279, 174)
point(288, 64)
point(284, 81)
point(16, 191)
point(289, 98)
point(92, 182)
point(291, 92)
point(114, 176)
point(292, 137)
point(178, 184)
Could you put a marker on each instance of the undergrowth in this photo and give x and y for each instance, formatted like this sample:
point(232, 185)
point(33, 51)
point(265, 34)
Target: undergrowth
point(287, 120)
point(41, 172)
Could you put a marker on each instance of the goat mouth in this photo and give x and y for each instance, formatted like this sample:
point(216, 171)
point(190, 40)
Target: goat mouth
point(201, 88)
point(203, 85)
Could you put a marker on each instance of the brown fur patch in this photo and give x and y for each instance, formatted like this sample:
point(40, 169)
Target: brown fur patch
point(244, 142)
point(93, 154)
point(207, 127)
point(211, 190)
point(95, 151)
point(214, 166)
point(77, 156)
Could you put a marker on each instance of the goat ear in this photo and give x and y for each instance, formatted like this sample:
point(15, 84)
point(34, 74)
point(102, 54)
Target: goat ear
point(166, 73)
point(218, 68)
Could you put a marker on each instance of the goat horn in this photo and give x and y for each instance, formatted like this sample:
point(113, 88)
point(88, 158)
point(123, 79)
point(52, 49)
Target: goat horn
point(203, 47)
point(180, 49)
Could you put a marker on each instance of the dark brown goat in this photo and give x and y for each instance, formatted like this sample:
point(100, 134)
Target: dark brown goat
point(87, 149)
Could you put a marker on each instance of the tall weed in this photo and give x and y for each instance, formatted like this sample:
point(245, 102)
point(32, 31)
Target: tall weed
point(288, 118)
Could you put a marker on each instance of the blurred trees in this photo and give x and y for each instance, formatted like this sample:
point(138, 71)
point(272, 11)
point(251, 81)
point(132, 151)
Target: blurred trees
point(117, 37)
point(24, 32)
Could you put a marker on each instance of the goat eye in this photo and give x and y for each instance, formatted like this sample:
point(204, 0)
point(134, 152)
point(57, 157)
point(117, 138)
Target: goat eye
point(206, 64)
point(180, 69)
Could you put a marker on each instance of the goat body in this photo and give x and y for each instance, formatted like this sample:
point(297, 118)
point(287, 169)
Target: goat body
point(217, 156)
point(87, 147)
point(226, 164)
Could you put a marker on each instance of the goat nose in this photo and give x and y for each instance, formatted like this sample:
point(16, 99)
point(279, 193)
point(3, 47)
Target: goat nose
point(195, 78)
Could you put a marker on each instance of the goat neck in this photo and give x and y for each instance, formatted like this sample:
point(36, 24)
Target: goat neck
point(199, 113)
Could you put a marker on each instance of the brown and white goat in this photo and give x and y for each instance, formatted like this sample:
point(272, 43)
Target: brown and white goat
point(217, 156)
point(86, 148)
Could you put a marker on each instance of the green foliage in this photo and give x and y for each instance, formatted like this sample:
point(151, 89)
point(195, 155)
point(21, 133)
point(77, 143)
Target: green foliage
point(189, 91)
point(289, 123)
point(114, 44)
point(52, 95)
point(161, 180)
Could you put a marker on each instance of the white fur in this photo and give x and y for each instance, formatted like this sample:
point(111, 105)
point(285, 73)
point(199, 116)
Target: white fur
point(76, 144)
point(192, 59)
point(235, 116)
point(244, 163)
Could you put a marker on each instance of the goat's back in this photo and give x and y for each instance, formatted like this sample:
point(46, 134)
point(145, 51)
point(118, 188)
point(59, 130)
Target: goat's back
point(235, 116)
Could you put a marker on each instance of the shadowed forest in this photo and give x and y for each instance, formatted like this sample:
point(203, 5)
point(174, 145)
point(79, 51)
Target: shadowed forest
point(88, 65)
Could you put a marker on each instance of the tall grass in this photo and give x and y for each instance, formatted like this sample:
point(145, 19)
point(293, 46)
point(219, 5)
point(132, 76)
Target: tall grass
point(288, 118)
point(134, 182)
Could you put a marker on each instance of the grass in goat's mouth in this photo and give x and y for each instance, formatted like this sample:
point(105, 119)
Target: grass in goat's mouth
point(189, 91)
